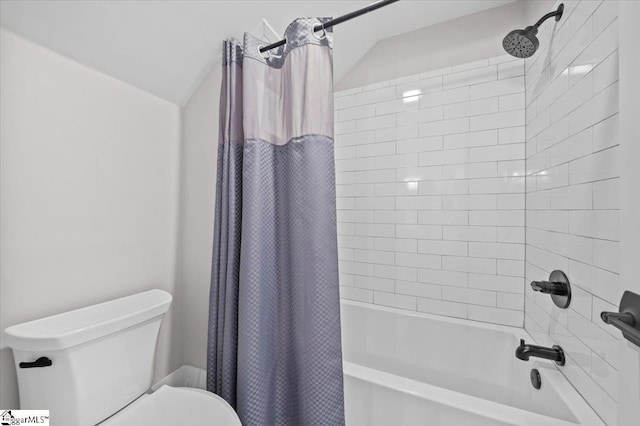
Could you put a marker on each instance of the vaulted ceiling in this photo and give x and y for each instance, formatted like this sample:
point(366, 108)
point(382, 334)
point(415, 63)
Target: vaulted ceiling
point(166, 47)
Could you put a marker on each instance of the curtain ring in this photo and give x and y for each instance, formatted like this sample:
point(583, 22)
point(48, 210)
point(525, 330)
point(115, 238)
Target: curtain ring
point(314, 30)
point(268, 52)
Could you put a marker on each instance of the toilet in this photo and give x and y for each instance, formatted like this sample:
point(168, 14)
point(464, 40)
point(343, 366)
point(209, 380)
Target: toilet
point(95, 366)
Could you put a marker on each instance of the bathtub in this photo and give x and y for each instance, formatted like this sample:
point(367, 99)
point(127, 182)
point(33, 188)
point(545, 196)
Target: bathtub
point(407, 369)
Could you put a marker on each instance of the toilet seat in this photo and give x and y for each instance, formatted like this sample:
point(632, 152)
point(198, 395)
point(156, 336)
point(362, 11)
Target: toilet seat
point(175, 406)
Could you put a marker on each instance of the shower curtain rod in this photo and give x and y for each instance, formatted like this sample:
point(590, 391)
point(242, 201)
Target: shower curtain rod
point(336, 21)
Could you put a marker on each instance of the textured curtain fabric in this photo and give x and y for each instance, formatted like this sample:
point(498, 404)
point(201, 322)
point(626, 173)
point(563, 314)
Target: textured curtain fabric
point(274, 348)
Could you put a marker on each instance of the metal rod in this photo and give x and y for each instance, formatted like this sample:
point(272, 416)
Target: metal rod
point(336, 21)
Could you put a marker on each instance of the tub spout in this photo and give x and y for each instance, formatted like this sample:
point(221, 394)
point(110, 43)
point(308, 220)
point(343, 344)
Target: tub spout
point(554, 353)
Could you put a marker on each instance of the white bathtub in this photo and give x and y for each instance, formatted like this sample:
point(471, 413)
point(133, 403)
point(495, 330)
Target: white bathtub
point(409, 369)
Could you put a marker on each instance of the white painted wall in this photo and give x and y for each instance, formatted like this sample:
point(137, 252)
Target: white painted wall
point(199, 153)
point(454, 42)
point(89, 185)
point(430, 191)
point(573, 193)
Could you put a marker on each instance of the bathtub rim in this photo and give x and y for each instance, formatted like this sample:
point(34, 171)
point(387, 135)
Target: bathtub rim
point(579, 407)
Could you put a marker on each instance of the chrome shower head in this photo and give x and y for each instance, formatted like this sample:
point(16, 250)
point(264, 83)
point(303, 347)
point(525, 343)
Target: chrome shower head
point(524, 43)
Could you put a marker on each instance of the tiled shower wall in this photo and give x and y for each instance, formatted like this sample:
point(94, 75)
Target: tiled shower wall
point(572, 193)
point(430, 185)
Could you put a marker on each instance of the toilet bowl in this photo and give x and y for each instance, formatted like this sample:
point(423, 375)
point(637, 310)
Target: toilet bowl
point(95, 366)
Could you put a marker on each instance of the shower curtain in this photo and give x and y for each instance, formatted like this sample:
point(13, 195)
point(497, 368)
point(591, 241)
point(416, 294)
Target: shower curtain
point(274, 349)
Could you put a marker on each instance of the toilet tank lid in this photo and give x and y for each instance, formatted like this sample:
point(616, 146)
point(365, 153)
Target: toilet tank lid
point(82, 325)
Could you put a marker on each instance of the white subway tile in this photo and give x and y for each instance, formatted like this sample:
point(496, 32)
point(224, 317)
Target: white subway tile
point(422, 115)
point(470, 76)
point(497, 250)
point(356, 112)
point(347, 92)
point(415, 174)
point(396, 105)
point(511, 135)
point(394, 300)
point(443, 187)
point(422, 87)
point(375, 176)
point(374, 203)
point(444, 127)
point(471, 139)
point(497, 153)
point(445, 97)
point(441, 307)
point(357, 294)
point(511, 234)
point(375, 283)
point(433, 143)
point(496, 218)
point(470, 233)
point(401, 245)
point(500, 185)
point(355, 216)
point(497, 88)
point(496, 315)
point(435, 73)
point(402, 217)
point(390, 189)
point(469, 264)
point(411, 288)
point(445, 278)
point(606, 194)
point(606, 133)
point(452, 248)
point(470, 171)
point(419, 260)
point(375, 149)
point(396, 272)
point(468, 295)
point(356, 268)
point(469, 202)
point(599, 166)
point(354, 190)
point(514, 268)
point(604, 224)
point(497, 120)
point(510, 69)
point(449, 156)
point(511, 201)
point(510, 301)
point(396, 133)
point(505, 284)
point(374, 256)
point(355, 164)
point(471, 108)
point(375, 230)
point(419, 203)
point(350, 241)
point(443, 217)
point(429, 232)
point(357, 138)
point(396, 161)
point(374, 123)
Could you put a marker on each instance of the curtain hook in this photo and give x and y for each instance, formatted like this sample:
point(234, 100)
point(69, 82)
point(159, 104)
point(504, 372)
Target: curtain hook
point(315, 28)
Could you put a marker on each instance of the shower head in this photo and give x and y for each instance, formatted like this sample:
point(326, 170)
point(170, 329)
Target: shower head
point(524, 43)
point(521, 43)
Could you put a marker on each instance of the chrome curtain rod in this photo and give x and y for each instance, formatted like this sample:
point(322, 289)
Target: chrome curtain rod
point(336, 21)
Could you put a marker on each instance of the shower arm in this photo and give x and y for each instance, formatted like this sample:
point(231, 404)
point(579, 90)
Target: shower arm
point(557, 13)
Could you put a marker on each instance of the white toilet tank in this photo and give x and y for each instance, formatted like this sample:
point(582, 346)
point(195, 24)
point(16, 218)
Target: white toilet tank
point(102, 357)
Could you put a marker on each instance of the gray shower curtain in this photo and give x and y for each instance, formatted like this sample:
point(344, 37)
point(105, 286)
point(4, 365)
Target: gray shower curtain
point(274, 349)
